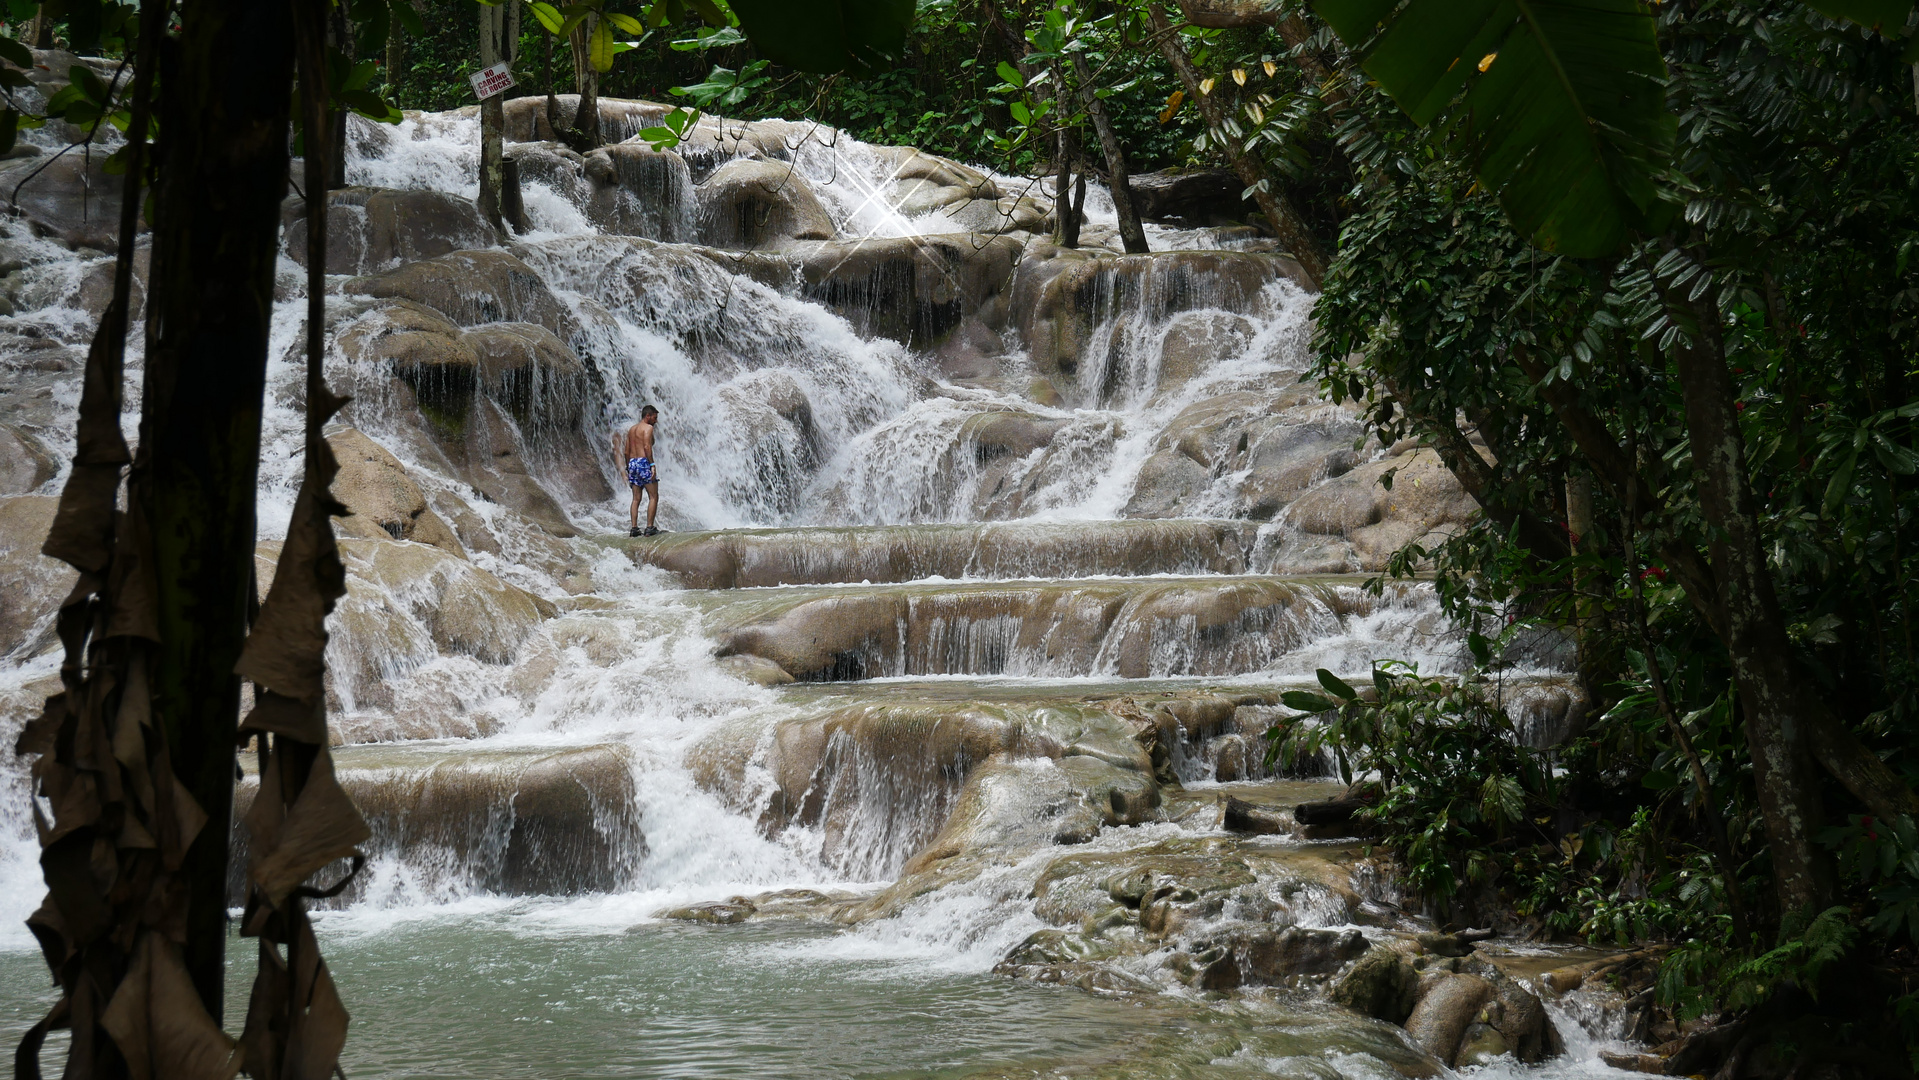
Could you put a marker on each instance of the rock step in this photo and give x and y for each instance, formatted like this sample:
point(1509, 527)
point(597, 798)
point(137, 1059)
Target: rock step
point(460, 818)
point(1128, 627)
point(748, 558)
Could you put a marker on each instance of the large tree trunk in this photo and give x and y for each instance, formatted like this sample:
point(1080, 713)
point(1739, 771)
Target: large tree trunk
point(492, 119)
point(226, 85)
point(1280, 215)
point(1777, 732)
point(1130, 231)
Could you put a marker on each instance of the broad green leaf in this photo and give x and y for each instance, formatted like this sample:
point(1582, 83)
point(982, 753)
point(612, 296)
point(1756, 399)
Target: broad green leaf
point(1659, 780)
point(1020, 112)
point(15, 52)
point(1010, 74)
point(711, 12)
point(626, 23)
point(1886, 16)
point(599, 47)
point(376, 25)
point(84, 80)
point(1336, 686)
point(408, 18)
point(1841, 484)
point(1559, 104)
point(1306, 701)
point(548, 15)
point(861, 37)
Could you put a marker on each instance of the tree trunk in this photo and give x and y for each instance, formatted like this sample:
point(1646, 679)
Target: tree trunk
point(1130, 230)
point(492, 120)
point(340, 36)
point(223, 172)
point(1065, 219)
point(40, 31)
point(395, 55)
point(1280, 215)
point(586, 118)
point(1777, 734)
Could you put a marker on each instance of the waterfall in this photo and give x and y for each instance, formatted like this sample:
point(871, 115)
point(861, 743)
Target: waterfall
point(1032, 533)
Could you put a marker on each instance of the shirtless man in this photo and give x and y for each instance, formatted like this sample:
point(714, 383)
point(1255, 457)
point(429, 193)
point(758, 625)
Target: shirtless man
point(635, 447)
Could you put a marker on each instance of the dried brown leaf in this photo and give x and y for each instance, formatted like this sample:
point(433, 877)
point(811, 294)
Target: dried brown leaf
point(286, 651)
point(323, 825)
point(281, 715)
point(159, 1024)
point(82, 532)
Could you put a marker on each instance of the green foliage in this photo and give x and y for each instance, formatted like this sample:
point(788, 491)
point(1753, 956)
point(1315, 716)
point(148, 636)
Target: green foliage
point(861, 37)
point(1453, 781)
point(1560, 106)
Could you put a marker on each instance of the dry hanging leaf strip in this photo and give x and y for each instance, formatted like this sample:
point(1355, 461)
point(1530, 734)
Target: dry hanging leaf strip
point(83, 525)
point(157, 1021)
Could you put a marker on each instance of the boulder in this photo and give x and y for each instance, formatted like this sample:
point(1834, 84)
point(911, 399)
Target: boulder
point(1268, 957)
point(1438, 1023)
point(1197, 340)
point(1190, 197)
point(71, 198)
point(1063, 299)
point(96, 287)
point(635, 190)
point(1382, 984)
point(472, 287)
point(750, 204)
point(25, 463)
point(1425, 504)
point(382, 500)
point(408, 603)
point(915, 290)
point(912, 165)
point(31, 585)
point(620, 118)
point(372, 229)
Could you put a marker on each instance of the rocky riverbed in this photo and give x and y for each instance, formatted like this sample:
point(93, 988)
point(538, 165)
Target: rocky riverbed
point(987, 565)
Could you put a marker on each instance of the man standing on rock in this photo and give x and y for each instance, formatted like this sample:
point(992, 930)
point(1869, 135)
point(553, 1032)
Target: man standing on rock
point(636, 447)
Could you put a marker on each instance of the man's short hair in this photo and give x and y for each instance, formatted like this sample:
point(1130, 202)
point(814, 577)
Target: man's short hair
point(649, 411)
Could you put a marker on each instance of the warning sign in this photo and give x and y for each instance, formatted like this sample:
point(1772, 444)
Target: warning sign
point(494, 80)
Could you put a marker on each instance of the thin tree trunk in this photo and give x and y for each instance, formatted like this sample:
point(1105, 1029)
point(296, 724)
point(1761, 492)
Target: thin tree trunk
point(492, 120)
point(223, 173)
point(586, 118)
point(1131, 233)
point(1762, 659)
point(1065, 214)
point(1280, 214)
point(340, 36)
point(40, 32)
point(395, 55)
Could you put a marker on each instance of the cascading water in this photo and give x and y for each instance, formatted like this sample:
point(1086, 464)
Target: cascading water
point(556, 738)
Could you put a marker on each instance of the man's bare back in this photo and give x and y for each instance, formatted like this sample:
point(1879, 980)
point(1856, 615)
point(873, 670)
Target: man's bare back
point(635, 448)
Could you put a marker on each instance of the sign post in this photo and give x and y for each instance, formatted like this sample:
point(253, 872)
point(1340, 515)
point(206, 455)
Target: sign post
point(497, 79)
